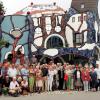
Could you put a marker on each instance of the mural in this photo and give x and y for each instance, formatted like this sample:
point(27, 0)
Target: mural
point(90, 25)
point(1, 17)
point(70, 13)
point(91, 37)
point(19, 31)
point(16, 30)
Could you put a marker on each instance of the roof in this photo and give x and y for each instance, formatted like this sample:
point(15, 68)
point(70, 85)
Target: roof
point(88, 5)
point(40, 9)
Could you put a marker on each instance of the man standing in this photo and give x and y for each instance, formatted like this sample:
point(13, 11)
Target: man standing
point(44, 70)
point(24, 71)
point(61, 76)
point(93, 75)
point(97, 69)
point(12, 71)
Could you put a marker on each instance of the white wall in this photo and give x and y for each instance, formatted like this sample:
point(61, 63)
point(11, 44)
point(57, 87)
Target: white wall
point(68, 33)
point(69, 36)
point(75, 25)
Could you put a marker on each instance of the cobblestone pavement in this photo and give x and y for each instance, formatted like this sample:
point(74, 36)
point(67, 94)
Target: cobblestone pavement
point(57, 95)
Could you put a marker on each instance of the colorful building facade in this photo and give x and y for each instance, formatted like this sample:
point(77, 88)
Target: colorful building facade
point(51, 34)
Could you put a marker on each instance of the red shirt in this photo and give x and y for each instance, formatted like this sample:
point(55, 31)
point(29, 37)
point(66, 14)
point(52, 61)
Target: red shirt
point(66, 77)
point(85, 76)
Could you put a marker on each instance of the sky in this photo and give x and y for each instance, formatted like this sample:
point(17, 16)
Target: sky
point(12, 6)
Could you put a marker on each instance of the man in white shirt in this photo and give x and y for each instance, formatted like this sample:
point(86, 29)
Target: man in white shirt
point(14, 87)
point(12, 71)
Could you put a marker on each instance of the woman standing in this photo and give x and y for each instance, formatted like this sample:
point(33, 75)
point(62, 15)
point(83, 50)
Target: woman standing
point(31, 79)
point(39, 81)
point(66, 77)
point(50, 78)
point(85, 78)
point(77, 79)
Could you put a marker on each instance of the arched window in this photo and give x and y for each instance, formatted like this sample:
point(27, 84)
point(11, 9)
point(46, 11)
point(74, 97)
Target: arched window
point(54, 42)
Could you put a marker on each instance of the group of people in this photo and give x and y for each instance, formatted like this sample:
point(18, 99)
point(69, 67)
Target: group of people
point(16, 79)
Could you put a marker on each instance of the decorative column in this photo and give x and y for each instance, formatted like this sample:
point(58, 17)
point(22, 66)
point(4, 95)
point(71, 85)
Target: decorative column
point(43, 28)
point(53, 22)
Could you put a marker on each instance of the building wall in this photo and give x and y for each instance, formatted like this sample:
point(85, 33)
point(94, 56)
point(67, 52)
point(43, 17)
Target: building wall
point(46, 27)
point(89, 5)
point(73, 25)
point(15, 31)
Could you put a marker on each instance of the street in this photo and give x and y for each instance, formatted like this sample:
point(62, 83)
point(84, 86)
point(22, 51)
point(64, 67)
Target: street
point(57, 96)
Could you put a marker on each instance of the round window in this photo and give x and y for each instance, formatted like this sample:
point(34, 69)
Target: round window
point(16, 33)
point(57, 28)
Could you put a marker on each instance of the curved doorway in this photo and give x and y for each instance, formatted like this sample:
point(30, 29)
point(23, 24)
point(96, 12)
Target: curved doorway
point(54, 42)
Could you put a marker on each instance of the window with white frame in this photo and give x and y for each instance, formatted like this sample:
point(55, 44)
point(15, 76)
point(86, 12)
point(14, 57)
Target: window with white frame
point(73, 19)
point(48, 20)
point(85, 18)
point(78, 38)
point(79, 18)
point(48, 24)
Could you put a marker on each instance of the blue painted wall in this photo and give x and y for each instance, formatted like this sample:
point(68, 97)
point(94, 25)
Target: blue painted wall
point(12, 22)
